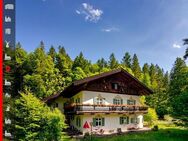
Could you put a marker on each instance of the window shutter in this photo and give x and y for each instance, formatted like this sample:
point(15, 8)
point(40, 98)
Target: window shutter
point(103, 121)
point(121, 101)
point(120, 120)
point(127, 120)
point(79, 122)
point(94, 122)
point(128, 102)
point(113, 101)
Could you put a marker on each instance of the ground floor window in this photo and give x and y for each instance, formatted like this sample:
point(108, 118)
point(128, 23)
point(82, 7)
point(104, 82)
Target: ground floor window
point(98, 122)
point(124, 120)
point(78, 121)
point(133, 120)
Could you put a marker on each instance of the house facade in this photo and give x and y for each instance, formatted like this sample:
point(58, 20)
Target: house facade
point(105, 103)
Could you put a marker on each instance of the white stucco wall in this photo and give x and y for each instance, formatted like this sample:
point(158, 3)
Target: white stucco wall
point(112, 123)
point(111, 120)
point(88, 97)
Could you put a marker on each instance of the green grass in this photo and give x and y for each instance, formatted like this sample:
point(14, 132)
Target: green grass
point(166, 132)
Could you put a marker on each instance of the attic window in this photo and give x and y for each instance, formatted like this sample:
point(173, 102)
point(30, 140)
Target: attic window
point(114, 86)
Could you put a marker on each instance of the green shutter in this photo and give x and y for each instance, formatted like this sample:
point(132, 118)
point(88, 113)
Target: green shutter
point(121, 101)
point(113, 101)
point(79, 122)
point(127, 120)
point(94, 122)
point(120, 120)
point(103, 121)
point(128, 102)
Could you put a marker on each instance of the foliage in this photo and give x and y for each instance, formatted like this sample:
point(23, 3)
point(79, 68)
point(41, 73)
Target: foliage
point(113, 63)
point(151, 116)
point(45, 73)
point(126, 61)
point(136, 67)
point(34, 121)
point(178, 90)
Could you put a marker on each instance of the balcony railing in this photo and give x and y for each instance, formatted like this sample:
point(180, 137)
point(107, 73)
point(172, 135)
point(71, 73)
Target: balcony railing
point(104, 108)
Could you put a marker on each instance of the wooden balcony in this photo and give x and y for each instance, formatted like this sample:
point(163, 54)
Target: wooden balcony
point(93, 108)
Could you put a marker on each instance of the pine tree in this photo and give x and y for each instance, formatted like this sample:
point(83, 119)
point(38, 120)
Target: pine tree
point(81, 62)
point(126, 61)
point(113, 63)
point(52, 53)
point(102, 64)
point(63, 62)
point(136, 67)
point(145, 68)
point(178, 90)
point(186, 51)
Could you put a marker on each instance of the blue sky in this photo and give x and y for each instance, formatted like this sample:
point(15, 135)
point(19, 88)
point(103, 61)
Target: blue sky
point(153, 29)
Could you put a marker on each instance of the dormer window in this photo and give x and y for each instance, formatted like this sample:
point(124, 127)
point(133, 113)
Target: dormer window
point(114, 86)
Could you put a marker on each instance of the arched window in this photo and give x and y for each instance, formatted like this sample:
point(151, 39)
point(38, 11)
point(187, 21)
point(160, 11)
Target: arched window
point(131, 101)
point(99, 100)
point(117, 100)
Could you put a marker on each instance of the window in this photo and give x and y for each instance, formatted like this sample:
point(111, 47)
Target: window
point(115, 86)
point(131, 102)
point(55, 105)
point(77, 100)
point(98, 121)
point(78, 122)
point(99, 101)
point(133, 120)
point(124, 120)
point(117, 101)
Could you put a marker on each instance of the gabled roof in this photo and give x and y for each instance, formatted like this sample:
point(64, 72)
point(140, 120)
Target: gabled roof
point(77, 86)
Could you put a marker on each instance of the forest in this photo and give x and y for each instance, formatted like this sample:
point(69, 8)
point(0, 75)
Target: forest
point(42, 73)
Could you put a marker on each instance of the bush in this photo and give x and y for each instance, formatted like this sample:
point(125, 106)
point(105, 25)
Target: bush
point(151, 116)
point(35, 121)
point(168, 118)
point(87, 136)
point(155, 128)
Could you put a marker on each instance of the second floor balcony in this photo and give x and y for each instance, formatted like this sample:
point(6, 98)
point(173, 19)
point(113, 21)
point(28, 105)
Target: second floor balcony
point(103, 108)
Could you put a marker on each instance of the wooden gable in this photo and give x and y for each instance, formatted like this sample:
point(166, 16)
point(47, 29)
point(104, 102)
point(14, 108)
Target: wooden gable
point(125, 84)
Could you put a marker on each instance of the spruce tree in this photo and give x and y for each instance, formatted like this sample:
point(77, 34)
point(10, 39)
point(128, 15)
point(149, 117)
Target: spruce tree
point(136, 67)
point(113, 62)
point(126, 61)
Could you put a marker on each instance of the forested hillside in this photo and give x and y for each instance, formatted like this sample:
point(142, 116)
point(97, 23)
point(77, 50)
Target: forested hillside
point(45, 73)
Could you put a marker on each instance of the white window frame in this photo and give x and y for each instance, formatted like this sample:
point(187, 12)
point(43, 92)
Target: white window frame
point(99, 101)
point(98, 121)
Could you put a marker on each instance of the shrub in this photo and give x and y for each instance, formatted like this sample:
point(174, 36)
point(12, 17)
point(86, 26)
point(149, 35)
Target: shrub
point(151, 116)
point(36, 121)
point(168, 118)
point(155, 128)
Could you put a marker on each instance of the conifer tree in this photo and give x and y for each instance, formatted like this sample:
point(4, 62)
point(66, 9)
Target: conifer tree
point(136, 67)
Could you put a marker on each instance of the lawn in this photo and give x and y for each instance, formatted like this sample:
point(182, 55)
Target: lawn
point(166, 132)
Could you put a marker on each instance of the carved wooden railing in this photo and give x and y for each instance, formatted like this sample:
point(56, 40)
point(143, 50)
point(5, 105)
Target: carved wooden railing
point(110, 108)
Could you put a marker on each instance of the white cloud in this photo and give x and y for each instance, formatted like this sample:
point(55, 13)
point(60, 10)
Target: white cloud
point(78, 12)
point(175, 45)
point(91, 14)
point(112, 29)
